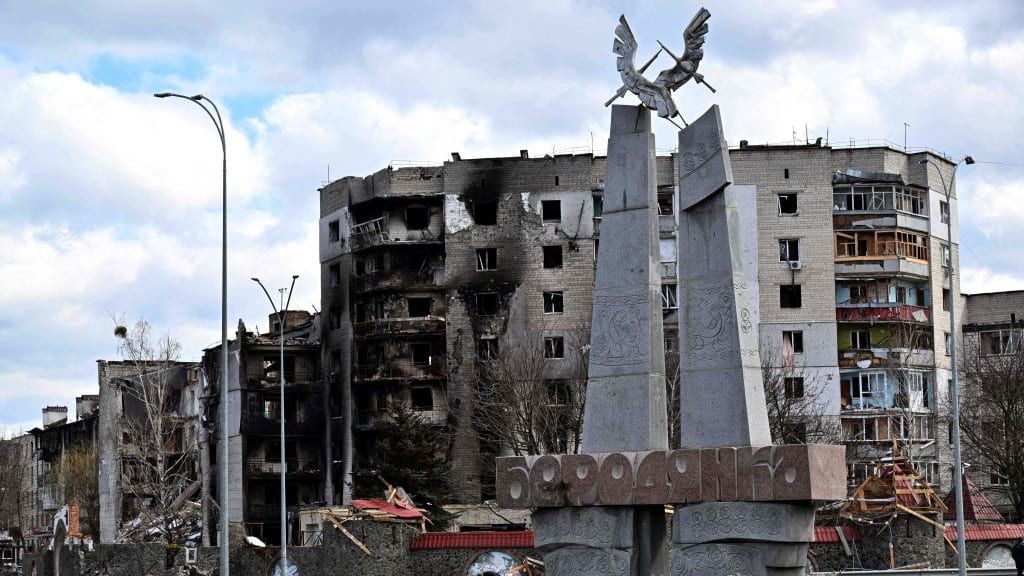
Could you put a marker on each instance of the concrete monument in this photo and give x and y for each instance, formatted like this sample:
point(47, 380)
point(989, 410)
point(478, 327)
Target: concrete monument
point(745, 506)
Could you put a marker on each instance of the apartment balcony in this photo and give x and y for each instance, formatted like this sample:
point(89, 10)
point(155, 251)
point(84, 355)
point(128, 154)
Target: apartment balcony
point(437, 369)
point(310, 423)
point(367, 421)
point(883, 312)
point(290, 384)
point(259, 467)
point(389, 327)
point(887, 358)
point(375, 232)
point(404, 280)
point(880, 265)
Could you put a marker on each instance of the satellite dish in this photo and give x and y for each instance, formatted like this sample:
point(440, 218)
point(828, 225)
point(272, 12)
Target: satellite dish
point(491, 562)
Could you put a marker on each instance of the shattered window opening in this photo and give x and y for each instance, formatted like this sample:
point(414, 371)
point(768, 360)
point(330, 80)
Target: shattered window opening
point(487, 348)
point(486, 259)
point(794, 387)
point(665, 198)
point(551, 211)
point(487, 304)
point(788, 204)
point(334, 231)
point(598, 206)
point(792, 342)
point(552, 256)
point(669, 300)
point(419, 307)
point(789, 250)
point(789, 296)
point(417, 218)
point(420, 353)
point(485, 213)
point(335, 318)
point(860, 340)
point(334, 275)
point(553, 302)
point(554, 347)
point(421, 399)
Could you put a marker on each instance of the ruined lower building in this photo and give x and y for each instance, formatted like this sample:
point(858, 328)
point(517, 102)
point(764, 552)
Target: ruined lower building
point(254, 420)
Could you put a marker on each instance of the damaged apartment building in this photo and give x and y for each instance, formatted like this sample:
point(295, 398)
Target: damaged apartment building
point(429, 271)
point(254, 425)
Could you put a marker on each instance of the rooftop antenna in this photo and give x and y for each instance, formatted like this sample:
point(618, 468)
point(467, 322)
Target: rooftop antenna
point(906, 128)
point(807, 139)
point(826, 135)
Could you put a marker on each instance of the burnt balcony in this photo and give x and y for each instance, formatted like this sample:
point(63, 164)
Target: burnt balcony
point(309, 423)
point(388, 327)
point(290, 384)
point(404, 280)
point(370, 420)
point(887, 358)
point(435, 370)
point(883, 312)
point(263, 512)
point(261, 467)
point(376, 232)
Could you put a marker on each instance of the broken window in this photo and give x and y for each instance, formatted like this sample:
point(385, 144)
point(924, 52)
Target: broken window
point(418, 307)
point(333, 231)
point(860, 340)
point(485, 213)
point(551, 211)
point(668, 297)
point(792, 342)
point(335, 318)
point(553, 303)
point(487, 303)
point(598, 206)
point(421, 399)
point(486, 259)
point(487, 348)
point(665, 202)
point(671, 343)
point(554, 347)
point(271, 410)
point(945, 255)
point(944, 211)
point(334, 275)
point(945, 299)
point(794, 387)
point(552, 256)
point(789, 250)
point(417, 218)
point(998, 477)
point(788, 203)
point(789, 296)
point(335, 361)
point(420, 353)
point(995, 342)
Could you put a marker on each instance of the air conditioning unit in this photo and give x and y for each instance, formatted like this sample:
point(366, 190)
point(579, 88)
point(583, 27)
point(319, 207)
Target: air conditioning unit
point(794, 264)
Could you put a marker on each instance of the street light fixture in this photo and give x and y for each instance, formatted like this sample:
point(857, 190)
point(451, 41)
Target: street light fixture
point(222, 443)
point(961, 547)
point(284, 566)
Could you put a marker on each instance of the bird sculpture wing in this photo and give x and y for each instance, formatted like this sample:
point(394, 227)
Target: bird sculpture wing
point(625, 47)
point(693, 36)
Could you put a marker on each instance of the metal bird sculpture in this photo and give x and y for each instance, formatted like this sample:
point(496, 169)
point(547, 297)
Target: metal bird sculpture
point(657, 95)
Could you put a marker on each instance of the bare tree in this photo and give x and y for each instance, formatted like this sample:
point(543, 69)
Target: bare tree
point(905, 366)
point(158, 466)
point(529, 402)
point(795, 413)
point(76, 475)
point(992, 411)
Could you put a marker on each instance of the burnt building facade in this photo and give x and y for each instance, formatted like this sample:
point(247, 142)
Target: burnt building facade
point(254, 419)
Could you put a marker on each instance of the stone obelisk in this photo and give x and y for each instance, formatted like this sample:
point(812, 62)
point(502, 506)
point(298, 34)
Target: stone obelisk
point(721, 390)
point(625, 407)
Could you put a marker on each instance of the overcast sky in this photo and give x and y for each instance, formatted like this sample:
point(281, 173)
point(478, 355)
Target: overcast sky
point(110, 199)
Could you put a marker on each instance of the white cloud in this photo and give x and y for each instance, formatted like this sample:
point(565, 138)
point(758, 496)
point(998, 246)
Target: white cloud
point(982, 279)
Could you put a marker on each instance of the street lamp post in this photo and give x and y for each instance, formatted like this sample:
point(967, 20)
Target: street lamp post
point(961, 547)
point(222, 444)
point(280, 313)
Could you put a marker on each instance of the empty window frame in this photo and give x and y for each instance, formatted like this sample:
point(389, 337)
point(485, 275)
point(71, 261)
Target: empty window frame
point(598, 206)
point(335, 318)
point(788, 205)
point(860, 339)
point(420, 353)
point(553, 303)
point(945, 255)
point(552, 256)
point(551, 211)
point(487, 303)
point(421, 399)
point(789, 250)
point(997, 342)
point(944, 211)
point(334, 275)
point(333, 231)
point(793, 387)
point(554, 347)
point(789, 296)
point(418, 307)
point(417, 218)
point(665, 201)
point(485, 213)
point(487, 348)
point(792, 342)
point(486, 259)
point(669, 300)
point(945, 299)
